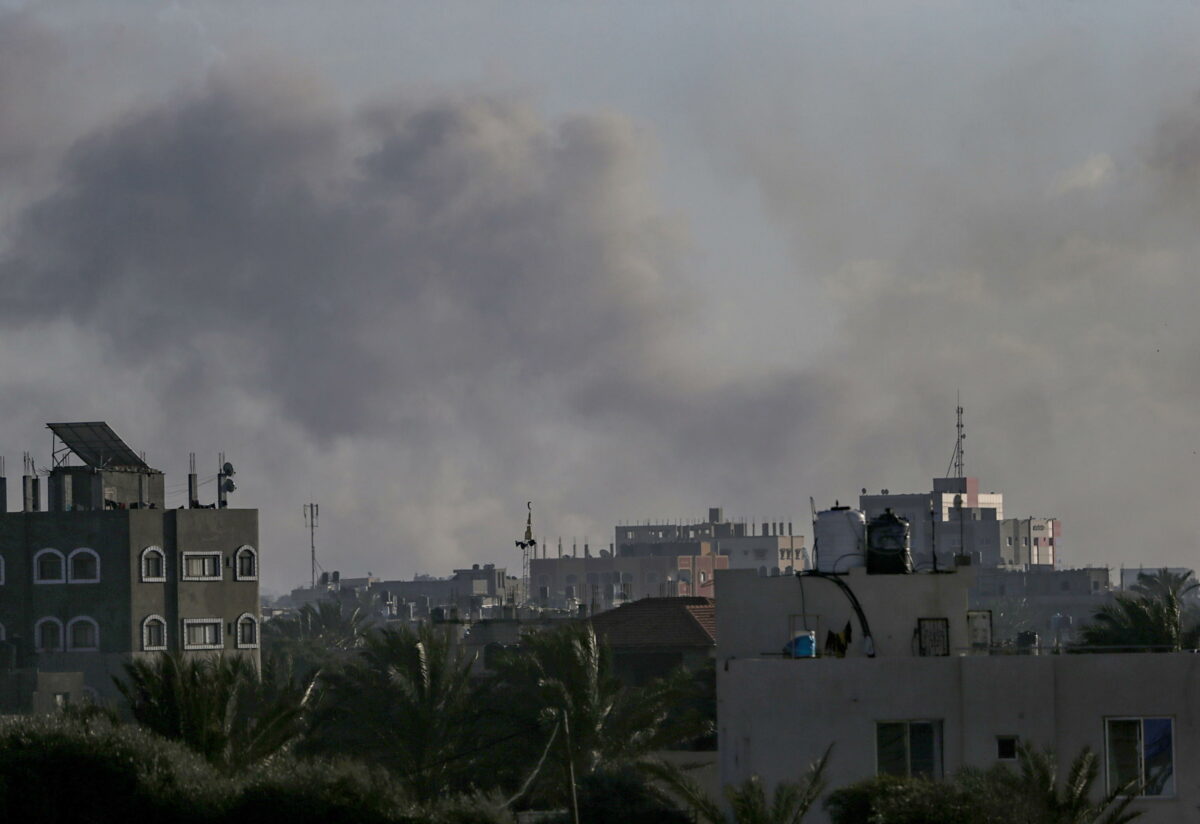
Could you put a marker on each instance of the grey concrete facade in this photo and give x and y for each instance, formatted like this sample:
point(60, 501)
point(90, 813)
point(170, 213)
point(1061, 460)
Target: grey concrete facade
point(122, 590)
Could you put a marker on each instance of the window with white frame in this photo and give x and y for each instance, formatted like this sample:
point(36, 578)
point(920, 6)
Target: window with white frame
point(48, 635)
point(247, 632)
point(154, 564)
point(83, 635)
point(154, 633)
point(1140, 755)
point(909, 748)
point(201, 566)
point(245, 564)
point(83, 566)
point(202, 633)
point(49, 567)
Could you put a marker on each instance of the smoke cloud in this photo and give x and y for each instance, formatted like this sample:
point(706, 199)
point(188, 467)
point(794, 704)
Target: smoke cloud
point(425, 306)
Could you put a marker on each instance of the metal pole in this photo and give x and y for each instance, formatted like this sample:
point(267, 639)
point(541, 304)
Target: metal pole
point(571, 768)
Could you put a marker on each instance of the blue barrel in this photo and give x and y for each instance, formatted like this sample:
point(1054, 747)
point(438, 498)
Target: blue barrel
point(804, 645)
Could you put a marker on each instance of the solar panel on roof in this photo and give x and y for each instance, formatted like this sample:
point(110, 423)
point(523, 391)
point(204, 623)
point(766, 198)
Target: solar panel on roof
point(97, 445)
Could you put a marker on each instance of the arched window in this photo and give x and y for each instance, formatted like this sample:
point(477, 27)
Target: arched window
point(247, 632)
point(245, 564)
point(49, 567)
point(48, 635)
point(83, 635)
point(83, 566)
point(154, 633)
point(154, 565)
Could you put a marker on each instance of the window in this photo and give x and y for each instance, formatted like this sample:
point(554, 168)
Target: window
point(247, 632)
point(154, 633)
point(1008, 540)
point(2, 635)
point(154, 564)
point(1140, 753)
point(246, 564)
point(83, 635)
point(1025, 541)
point(202, 566)
point(202, 633)
point(83, 566)
point(909, 748)
point(47, 635)
point(48, 567)
point(1, 569)
point(1006, 747)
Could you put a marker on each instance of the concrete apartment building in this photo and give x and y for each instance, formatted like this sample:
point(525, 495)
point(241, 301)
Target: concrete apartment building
point(605, 580)
point(956, 518)
point(108, 573)
point(773, 549)
point(930, 693)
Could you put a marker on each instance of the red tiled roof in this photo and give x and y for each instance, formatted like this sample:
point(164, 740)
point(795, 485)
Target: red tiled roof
point(659, 622)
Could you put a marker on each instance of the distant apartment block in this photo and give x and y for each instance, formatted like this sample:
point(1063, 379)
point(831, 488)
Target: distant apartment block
point(772, 548)
point(955, 518)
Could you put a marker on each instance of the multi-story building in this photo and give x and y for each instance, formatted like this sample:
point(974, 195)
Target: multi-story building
point(906, 681)
point(957, 519)
point(772, 550)
point(605, 580)
point(108, 573)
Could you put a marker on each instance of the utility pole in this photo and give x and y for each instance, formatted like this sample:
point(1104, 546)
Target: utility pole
point(310, 520)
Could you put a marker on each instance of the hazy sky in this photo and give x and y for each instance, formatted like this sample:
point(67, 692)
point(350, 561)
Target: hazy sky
point(423, 262)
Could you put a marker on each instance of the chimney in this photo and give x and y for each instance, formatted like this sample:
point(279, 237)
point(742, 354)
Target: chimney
point(3, 487)
point(29, 487)
point(790, 533)
point(766, 529)
point(193, 485)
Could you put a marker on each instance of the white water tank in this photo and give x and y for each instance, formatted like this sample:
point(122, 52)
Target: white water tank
point(840, 539)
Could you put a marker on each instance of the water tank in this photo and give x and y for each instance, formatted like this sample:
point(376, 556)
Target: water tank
point(888, 550)
point(840, 536)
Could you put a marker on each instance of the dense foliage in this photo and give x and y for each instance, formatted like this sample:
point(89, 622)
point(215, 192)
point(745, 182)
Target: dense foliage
point(1031, 794)
point(1153, 616)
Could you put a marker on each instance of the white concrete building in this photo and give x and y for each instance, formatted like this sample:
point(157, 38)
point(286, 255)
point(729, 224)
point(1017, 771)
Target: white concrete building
point(955, 517)
point(929, 702)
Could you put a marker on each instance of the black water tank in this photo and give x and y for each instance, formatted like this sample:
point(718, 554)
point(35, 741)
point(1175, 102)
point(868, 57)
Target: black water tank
point(888, 545)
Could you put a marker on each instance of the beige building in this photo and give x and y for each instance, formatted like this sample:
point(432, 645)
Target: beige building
point(936, 696)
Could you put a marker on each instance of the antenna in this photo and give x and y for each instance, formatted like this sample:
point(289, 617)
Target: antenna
point(957, 462)
point(310, 520)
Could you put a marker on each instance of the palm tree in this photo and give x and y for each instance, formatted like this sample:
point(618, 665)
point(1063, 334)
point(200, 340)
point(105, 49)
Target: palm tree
point(217, 706)
point(1151, 616)
point(318, 635)
point(560, 686)
point(748, 802)
point(407, 702)
point(1036, 788)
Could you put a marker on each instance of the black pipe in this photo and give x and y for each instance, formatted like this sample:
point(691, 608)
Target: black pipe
point(868, 639)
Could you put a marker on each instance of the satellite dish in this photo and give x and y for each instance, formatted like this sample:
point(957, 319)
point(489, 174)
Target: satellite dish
point(227, 469)
point(229, 485)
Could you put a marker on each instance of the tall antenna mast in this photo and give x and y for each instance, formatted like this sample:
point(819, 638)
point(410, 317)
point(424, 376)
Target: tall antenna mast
point(310, 520)
point(957, 462)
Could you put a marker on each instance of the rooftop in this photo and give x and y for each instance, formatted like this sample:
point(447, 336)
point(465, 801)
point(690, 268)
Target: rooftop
point(659, 622)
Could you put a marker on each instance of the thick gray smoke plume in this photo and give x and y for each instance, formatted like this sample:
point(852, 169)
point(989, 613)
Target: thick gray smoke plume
point(424, 309)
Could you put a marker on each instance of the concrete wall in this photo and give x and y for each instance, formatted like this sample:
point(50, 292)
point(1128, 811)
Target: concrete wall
point(758, 616)
point(120, 600)
point(1059, 701)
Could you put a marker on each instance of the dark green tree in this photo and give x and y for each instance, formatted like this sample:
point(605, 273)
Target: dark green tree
point(406, 702)
point(1151, 617)
point(217, 706)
